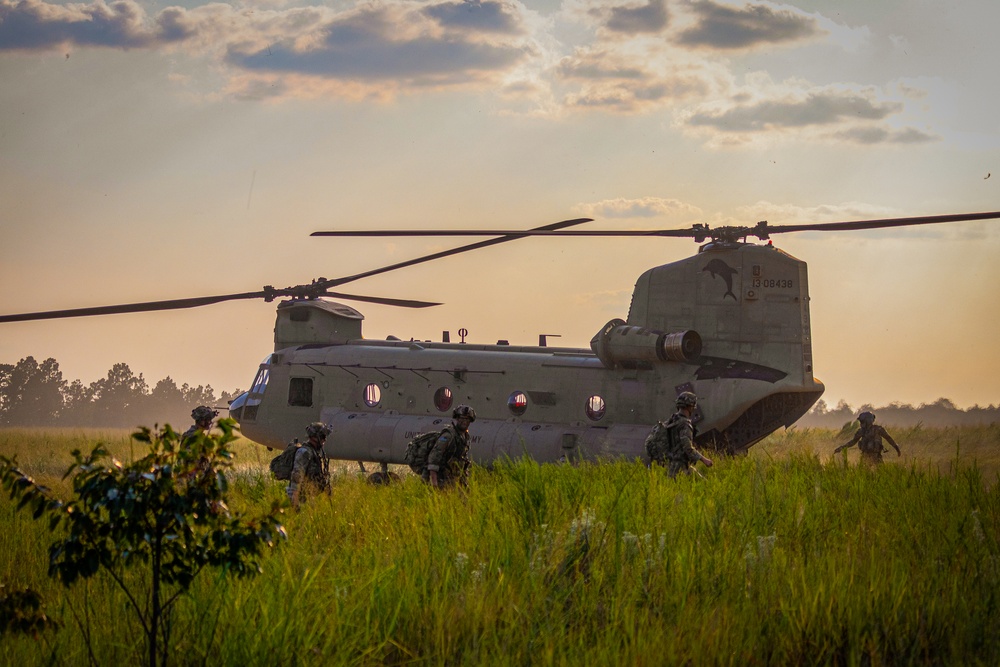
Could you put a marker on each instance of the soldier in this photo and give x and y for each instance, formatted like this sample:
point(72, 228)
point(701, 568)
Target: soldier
point(869, 440)
point(671, 444)
point(448, 460)
point(202, 416)
point(310, 467)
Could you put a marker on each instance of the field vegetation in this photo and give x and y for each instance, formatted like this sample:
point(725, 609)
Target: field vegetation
point(786, 556)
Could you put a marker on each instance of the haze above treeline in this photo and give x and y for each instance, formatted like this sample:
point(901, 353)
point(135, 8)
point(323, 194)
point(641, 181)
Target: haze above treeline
point(37, 394)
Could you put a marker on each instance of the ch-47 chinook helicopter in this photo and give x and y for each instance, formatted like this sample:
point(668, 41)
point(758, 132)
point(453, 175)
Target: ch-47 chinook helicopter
point(730, 324)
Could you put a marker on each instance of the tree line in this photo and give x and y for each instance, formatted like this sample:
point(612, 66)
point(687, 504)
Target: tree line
point(37, 394)
point(940, 413)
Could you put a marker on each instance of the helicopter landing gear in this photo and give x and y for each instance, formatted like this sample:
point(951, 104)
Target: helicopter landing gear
point(383, 476)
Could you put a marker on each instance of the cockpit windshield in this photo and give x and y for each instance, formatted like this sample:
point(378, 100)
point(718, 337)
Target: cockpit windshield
point(260, 381)
point(244, 407)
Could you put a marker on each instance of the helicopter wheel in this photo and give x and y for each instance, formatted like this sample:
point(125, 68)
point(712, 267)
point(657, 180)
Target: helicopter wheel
point(382, 478)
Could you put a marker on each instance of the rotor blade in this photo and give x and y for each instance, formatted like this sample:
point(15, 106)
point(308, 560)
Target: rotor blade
point(172, 304)
point(507, 236)
point(403, 303)
point(497, 232)
point(269, 293)
point(876, 224)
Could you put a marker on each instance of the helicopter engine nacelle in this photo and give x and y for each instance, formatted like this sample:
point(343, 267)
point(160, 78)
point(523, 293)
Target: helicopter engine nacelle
point(315, 322)
point(622, 345)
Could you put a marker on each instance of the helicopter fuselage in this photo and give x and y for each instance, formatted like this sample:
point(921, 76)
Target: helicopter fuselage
point(730, 324)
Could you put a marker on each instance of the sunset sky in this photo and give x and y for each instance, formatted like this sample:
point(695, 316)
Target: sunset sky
point(155, 151)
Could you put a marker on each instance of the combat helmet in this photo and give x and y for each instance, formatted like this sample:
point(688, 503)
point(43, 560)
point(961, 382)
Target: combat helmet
point(464, 411)
point(867, 417)
point(318, 430)
point(203, 413)
point(687, 399)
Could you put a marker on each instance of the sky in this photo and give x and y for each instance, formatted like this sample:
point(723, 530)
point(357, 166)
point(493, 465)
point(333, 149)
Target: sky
point(154, 151)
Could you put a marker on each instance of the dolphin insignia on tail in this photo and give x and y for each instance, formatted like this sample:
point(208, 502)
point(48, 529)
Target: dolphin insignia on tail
point(717, 268)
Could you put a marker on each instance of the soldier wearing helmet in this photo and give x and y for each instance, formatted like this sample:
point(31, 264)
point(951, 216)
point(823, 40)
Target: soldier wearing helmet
point(311, 467)
point(202, 416)
point(448, 460)
point(671, 443)
point(869, 440)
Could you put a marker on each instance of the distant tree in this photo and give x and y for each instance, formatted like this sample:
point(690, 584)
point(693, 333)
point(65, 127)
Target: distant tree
point(228, 397)
point(119, 397)
point(6, 371)
point(165, 404)
point(195, 396)
point(941, 413)
point(167, 394)
point(164, 515)
point(78, 405)
point(31, 393)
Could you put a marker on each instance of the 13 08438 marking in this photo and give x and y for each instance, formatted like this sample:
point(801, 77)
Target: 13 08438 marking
point(772, 282)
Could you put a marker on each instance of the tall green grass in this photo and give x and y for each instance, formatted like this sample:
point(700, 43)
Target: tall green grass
point(787, 556)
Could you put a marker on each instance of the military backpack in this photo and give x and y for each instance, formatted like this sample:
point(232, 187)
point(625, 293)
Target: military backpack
point(658, 440)
point(281, 465)
point(418, 449)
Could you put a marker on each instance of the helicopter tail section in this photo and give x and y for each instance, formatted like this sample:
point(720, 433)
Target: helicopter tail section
point(749, 305)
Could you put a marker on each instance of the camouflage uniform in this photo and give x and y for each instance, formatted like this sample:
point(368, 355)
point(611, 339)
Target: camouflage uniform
point(202, 416)
point(869, 440)
point(308, 472)
point(449, 457)
point(677, 453)
point(191, 432)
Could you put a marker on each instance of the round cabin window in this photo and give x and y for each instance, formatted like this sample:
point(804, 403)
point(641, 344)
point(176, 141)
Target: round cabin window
point(517, 403)
point(443, 399)
point(595, 408)
point(373, 395)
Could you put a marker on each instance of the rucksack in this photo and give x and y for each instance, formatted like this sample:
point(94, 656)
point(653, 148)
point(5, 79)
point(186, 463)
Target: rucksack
point(418, 449)
point(281, 465)
point(660, 439)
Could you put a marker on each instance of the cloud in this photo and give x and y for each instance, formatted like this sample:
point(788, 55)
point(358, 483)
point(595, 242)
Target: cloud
point(634, 20)
point(405, 44)
point(817, 107)
point(615, 21)
point(882, 135)
point(34, 25)
point(397, 44)
point(416, 60)
point(719, 26)
point(614, 79)
point(492, 17)
point(257, 89)
point(765, 111)
point(644, 207)
point(376, 49)
point(600, 65)
point(633, 98)
point(789, 214)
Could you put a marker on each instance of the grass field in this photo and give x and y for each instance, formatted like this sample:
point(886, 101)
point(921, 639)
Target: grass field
point(786, 556)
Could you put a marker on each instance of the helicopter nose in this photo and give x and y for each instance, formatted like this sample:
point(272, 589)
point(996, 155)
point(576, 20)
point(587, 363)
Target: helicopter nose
point(236, 407)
